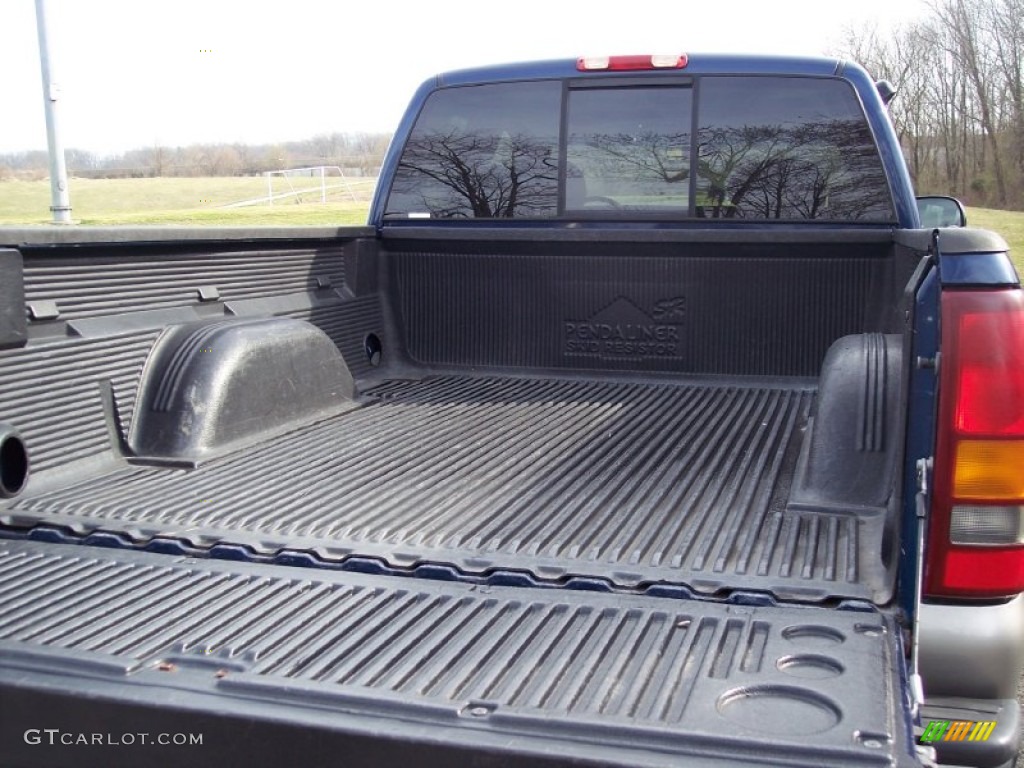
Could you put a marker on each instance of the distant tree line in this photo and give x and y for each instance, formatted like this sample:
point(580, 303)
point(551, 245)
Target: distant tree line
point(357, 154)
point(959, 113)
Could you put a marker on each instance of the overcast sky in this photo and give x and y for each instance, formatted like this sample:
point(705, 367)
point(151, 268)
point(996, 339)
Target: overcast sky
point(135, 73)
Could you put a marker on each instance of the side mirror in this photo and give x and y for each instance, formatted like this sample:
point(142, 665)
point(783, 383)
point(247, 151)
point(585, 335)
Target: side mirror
point(940, 211)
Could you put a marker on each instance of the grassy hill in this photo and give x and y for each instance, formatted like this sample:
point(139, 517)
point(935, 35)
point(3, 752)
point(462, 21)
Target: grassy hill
point(188, 201)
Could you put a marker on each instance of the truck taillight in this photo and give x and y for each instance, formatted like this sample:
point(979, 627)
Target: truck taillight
point(630, 63)
point(976, 531)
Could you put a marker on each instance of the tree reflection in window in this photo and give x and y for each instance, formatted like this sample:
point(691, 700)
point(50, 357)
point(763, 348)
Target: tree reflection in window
point(767, 148)
point(486, 151)
point(787, 148)
point(629, 147)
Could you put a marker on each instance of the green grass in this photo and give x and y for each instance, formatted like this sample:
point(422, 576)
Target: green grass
point(336, 214)
point(197, 201)
point(1009, 224)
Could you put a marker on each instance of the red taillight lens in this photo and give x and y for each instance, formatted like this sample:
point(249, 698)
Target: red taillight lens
point(630, 63)
point(976, 531)
point(990, 369)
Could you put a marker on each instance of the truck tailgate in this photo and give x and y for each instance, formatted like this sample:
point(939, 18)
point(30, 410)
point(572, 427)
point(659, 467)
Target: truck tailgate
point(326, 664)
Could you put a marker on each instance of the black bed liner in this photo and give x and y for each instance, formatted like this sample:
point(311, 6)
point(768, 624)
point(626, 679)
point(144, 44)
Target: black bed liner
point(511, 676)
point(635, 483)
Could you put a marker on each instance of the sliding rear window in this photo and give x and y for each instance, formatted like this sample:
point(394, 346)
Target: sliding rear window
point(758, 148)
point(628, 149)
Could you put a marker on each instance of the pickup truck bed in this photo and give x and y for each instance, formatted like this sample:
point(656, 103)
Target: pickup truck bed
point(635, 469)
point(630, 483)
point(662, 500)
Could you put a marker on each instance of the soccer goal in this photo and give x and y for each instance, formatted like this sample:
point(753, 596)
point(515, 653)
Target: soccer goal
point(316, 183)
point(303, 182)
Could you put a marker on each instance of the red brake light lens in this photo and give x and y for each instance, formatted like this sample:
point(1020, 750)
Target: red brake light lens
point(630, 63)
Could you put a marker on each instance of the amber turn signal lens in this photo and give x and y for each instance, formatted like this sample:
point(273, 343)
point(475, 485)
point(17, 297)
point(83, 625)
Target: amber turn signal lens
point(989, 470)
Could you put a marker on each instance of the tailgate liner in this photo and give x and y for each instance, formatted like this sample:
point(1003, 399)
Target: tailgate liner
point(632, 483)
point(524, 673)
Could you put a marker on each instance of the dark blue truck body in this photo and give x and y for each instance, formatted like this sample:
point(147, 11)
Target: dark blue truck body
point(635, 482)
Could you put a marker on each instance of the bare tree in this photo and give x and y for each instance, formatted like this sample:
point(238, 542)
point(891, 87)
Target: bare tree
point(965, 21)
point(1006, 23)
point(469, 175)
point(160, 158)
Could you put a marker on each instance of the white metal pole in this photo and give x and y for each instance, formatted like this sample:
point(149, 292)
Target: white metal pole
point(60, 198)
point(323, 186)
point(270, 189)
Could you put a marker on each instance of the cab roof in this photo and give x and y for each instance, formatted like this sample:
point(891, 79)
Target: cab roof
point(697, 64)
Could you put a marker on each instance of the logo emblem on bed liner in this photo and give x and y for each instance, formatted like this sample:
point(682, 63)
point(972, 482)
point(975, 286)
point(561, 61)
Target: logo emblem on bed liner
point(624, 330)
point(667, 310)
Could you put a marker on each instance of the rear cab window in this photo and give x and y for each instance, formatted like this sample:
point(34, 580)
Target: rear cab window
point(714, 147)
point(483, 152)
